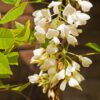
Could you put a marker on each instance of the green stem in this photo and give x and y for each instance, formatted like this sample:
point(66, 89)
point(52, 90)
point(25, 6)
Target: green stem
point(73, 54)
point(34, 2)
point(90, 54)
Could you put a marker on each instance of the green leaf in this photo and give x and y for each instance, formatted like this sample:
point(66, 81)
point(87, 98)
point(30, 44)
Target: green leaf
point(4, 66)
point(6, 39)
point(13, 58)
point(21, 87)
point(14, 13)
point(39, 0)
point(5, 86)
point(17, 2)
point(9, 1)
point(19, 25)
point(24, 35)
point(12, 2)
point(94, 46)
point(1, 83)
point(4, 76)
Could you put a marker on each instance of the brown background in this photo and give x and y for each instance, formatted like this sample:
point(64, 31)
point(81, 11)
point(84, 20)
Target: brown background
point(91, 86)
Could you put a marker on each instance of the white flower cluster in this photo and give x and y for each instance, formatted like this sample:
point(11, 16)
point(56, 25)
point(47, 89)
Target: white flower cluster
point(57, 27)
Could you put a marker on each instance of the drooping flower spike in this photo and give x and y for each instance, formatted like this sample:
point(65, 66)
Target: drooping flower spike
point(57, 65)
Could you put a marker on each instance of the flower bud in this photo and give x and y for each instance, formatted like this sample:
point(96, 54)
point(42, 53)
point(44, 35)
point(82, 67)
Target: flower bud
point(73, 82)
point(33, 78)
point(86, 62)
point(85, 5)
point(63, 85)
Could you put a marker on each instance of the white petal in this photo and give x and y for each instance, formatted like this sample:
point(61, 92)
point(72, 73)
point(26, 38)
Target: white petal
point(52, 33)
point(52, 71)
point(33, 78)
point(34, 59)
point(51, 94)
point(86, 5)
point(63, 85)
point(78, 18)
point(38, 52)
point(51, 49)
point(37, 13)
point(42, 22)
point(73, 82)
point(64, 29)
point(78, 77)
point(68, 10)
point(40, 37)
point(56, 10)
point(46, 13)
point(48, 63)
point(68, 71)
point(55, 40)
point(61, 74)
point(70, 19)
point(76, 66)
point(73, 30)
point(72, 40)
point(40, 30)
point(86, 62)
point(83, 16)
point(55, 5)
point(44, 56)
point(54, 81)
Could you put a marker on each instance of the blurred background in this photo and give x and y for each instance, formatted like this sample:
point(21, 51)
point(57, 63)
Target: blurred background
point(91, 86)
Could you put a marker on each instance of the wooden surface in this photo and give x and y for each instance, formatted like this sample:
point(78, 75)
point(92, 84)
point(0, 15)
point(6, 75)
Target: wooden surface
point(91, 86)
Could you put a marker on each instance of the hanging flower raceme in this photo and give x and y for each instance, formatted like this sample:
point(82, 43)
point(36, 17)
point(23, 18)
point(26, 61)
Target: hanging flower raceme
point(57, 65)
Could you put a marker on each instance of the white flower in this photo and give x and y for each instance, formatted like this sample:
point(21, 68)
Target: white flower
point(63, 85)
point(51, 94)
point(55, 5)
point(86, 62)
point(61, 74)
point(54, 80)
point(38, 52)
point(46, 13)
point(76, 66)
point(85, 5)
point(78, 18)
point(73, 82)
point(68, 10)
point(73, 30)
point(55, 40)
point(51, 49)
point(52, 71)
point(40, 34)
point(37, 13)
point(34, 59)
point(70, 69)
point(64, 29)
point(78, 76)
point(68, 29)
point(42, 23)
point(33, 78)
point(52, 33)
point(71, 40)
point(44, 56)
point(50, 62)
point(40, 14)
